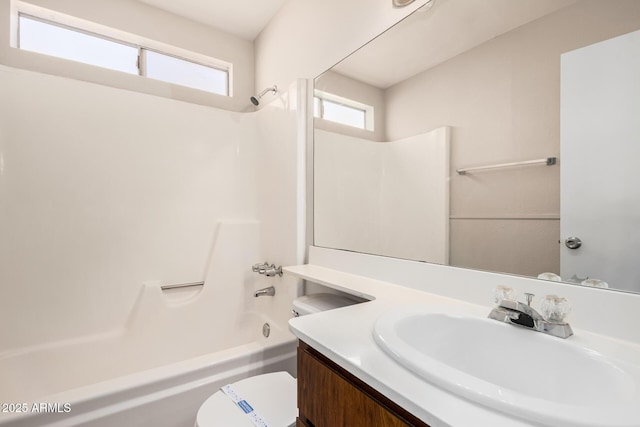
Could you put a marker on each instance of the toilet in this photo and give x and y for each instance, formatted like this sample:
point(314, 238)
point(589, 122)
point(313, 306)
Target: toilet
point(267, 400)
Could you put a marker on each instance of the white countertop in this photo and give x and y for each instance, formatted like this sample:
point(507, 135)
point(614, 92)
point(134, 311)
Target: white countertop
point(345, 336)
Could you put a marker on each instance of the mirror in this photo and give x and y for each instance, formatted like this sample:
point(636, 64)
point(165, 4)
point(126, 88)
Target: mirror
point(488, 134)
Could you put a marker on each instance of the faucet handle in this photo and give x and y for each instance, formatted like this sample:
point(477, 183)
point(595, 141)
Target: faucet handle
point(272, 270)
point(503, 292)
point(554, 308)
point(529, 298)
point(260, 268)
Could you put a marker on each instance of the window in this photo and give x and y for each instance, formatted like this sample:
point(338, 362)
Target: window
point(41, 37)
point(62, 41)
point(342, 110)
point(185, 73)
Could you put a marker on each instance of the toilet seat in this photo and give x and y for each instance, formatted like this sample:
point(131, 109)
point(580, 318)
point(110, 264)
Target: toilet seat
point(273, 396)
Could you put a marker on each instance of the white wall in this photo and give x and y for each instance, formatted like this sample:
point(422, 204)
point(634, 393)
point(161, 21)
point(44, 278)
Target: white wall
point(103, 189)
point(388, 198)
point(142, 20)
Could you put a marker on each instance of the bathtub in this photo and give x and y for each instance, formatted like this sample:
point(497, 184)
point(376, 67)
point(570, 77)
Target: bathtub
point(164, 396)
point(176, 348)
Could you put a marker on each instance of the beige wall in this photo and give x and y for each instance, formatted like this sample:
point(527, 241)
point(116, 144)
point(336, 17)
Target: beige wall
point(503, 101)
point(149, 22)
point(307, 37)
point(303, 40)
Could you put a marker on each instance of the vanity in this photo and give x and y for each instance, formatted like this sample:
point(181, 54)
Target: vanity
point(347, 377)
point(328, 395)
point(484, 143)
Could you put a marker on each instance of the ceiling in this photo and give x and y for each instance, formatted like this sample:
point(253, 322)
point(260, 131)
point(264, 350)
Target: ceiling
point(431, 36)
point(243, 18)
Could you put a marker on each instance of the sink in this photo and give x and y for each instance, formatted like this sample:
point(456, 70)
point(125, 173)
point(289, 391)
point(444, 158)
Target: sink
point(530, 375)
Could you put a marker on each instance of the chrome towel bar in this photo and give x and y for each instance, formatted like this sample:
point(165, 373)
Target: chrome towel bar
point(181, 285)
point(549, 161)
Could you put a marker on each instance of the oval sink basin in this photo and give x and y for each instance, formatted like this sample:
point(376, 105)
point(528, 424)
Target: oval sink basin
point(528, 374)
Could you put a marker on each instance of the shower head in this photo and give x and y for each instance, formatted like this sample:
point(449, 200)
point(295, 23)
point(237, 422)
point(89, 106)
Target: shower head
point(255, 100)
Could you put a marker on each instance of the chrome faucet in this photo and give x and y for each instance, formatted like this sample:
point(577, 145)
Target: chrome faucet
point(517, 313)
point(270, 291)
point(266, 269)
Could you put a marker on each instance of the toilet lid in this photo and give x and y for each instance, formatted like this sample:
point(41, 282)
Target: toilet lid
point(272, 396)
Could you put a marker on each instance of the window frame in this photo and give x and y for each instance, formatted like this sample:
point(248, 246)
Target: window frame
point(74, 29)
point(368, 110)
point(142, 68)
point(113, 35)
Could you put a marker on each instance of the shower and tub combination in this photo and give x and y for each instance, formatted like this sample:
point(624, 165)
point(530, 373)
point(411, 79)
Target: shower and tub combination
point(108, 191)
point(180, 345)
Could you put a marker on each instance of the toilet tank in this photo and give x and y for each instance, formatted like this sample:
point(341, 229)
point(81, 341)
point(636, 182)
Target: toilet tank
point(314, 303)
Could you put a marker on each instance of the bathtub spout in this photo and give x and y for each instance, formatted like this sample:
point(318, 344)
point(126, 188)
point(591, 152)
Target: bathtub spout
point(270, 291)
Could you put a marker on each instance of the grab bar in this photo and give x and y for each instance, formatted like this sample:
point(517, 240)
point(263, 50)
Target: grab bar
point(547, 161)
point(181, 285)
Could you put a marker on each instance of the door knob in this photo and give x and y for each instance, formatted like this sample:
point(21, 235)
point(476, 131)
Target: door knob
point(573, 242)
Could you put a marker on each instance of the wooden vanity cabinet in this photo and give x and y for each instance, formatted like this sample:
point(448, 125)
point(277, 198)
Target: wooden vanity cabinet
point(329, 396)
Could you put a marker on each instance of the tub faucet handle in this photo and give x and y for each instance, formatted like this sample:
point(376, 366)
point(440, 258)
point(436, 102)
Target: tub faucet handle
point(266, 269)
point(272, 270)
point(529, 298)
point(259, 268)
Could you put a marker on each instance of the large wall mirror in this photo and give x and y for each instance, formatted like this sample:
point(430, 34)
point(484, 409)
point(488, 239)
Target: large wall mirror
point(497, 135)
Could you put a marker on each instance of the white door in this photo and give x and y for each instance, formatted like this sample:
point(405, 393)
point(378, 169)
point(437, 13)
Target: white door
point(600, 162)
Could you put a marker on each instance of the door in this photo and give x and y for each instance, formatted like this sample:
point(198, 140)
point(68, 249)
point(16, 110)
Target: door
point(600, 162)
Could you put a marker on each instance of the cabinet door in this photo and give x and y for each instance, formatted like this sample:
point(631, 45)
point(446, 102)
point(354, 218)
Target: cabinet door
point(328, 396)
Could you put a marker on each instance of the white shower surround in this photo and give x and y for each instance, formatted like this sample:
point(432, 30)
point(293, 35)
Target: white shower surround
point(124, 192)
point(384, 198)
